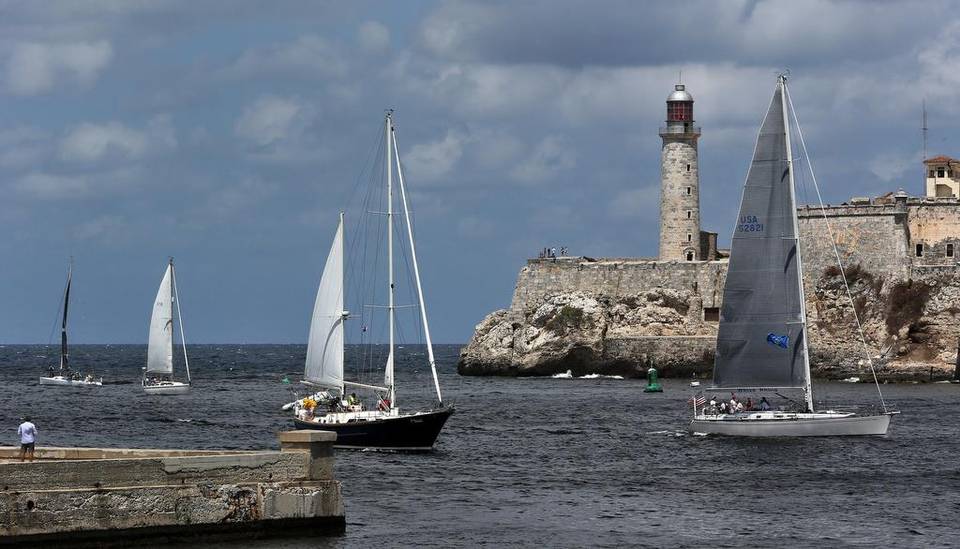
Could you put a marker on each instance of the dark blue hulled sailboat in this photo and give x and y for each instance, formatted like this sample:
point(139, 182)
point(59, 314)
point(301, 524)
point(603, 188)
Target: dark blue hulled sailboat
point(330, 408)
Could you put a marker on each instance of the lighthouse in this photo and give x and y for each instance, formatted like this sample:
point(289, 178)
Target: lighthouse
point(679, 181)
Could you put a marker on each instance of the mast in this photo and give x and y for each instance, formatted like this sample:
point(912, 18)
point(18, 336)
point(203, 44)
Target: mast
point(343, 388)
point(176, 299)
point(416, 271)
point(390, 307)
point(64, 364)
point(923, 130)
point(807, 387)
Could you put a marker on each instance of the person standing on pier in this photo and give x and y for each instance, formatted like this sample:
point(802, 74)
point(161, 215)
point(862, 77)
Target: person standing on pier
point(28, 438)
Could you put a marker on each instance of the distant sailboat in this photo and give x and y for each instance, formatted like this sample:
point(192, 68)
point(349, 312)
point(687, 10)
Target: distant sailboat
point(331, 409)
point(158, 374)
point(64, 375)
point(762, 339)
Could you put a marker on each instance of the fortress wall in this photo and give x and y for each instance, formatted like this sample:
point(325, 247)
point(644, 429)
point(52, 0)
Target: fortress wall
point(616, 277)
point(934, 224)
point(879, 238)
point(874, 237)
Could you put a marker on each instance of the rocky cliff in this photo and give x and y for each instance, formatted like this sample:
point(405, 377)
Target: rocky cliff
point(622, 316)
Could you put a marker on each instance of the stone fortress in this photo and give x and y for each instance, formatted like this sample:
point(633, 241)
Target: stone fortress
point(623, 315)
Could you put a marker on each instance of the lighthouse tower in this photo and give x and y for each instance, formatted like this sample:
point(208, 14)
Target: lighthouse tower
point(679, 181)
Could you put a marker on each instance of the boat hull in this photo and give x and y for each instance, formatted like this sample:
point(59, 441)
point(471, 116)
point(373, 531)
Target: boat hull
point(792, 425)
point(416, 431)
point(171, 388)
point(67, 382)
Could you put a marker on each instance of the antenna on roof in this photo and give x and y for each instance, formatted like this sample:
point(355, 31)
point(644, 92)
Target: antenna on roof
point(923, 131)
point(680, 76)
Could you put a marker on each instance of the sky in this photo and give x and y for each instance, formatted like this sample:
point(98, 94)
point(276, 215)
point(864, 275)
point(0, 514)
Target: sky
point(229, 135)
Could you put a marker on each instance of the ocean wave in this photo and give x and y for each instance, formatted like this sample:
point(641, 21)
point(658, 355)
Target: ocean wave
point(569, 375)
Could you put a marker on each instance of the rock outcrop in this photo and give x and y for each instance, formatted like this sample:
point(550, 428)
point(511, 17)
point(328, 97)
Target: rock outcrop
point(620, 317)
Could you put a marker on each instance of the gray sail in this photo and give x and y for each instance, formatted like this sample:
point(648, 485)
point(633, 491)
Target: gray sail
point(760, 341)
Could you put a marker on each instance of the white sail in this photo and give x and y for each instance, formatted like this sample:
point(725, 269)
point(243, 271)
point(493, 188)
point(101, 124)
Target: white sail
point(324, 365)
point(160, 348)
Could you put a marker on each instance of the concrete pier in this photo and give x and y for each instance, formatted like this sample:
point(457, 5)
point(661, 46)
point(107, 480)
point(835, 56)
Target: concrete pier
point(104, 496)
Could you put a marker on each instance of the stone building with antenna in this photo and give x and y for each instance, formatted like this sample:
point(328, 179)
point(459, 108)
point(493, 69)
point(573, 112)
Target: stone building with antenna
point(621, 315)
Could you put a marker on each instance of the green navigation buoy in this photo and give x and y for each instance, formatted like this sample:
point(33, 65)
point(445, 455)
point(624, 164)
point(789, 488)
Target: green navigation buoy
point(653, 386)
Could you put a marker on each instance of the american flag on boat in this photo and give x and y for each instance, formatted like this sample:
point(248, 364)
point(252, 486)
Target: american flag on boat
point(699, 400)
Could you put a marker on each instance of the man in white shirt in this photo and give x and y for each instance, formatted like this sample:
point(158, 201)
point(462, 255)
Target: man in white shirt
point(28, 438)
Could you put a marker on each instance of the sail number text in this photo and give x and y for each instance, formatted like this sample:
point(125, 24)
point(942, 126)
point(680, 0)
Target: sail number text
point(749, 224)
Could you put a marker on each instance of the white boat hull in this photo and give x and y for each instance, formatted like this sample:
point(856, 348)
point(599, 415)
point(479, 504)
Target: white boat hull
point(68, 382)
point(783, 424)
point(167, 388)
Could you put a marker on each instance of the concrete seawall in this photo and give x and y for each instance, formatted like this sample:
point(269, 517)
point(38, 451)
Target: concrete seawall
point(99, 496)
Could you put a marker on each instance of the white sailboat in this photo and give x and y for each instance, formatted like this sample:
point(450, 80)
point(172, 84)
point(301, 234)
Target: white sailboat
point(158, 374)
point(762, 338)
point(331, 409)
point(63, 375)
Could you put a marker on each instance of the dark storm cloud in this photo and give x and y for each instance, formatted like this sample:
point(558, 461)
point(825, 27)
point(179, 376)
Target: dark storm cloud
point(626, 32)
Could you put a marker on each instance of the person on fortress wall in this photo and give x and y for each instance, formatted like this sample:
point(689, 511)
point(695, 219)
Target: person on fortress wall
point(28, 438)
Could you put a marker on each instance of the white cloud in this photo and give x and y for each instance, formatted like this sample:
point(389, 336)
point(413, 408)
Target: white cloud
point(90, 142)
point(309, 56)
point(431, 161)
point(636, 203)
point(236, 197)
point(475, 227)
point(50, 186)
point(23, 146)
point(56, 186)
point(35, 67)
point(550, 157)
point(893, 165)
point(106, 228)
point(373, 36)
point(271, 119)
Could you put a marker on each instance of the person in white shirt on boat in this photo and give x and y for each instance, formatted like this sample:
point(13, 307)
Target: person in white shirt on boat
point(739, 407)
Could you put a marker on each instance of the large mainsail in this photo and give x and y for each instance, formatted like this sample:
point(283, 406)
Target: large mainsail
point(160, 348)
point(761, 335)
point(324, 364)
point(64, 356)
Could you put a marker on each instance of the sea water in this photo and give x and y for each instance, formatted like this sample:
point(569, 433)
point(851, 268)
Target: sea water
point(537, 462)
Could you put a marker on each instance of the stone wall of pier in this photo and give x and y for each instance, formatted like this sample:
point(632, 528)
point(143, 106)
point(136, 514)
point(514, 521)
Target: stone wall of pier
point(126, 496)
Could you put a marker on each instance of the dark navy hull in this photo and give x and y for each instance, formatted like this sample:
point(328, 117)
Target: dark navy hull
point(417, 431)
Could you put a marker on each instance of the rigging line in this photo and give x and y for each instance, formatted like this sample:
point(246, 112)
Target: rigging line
point(843, 274)
point(370, 161)
point(411, 223)
point(364, 287)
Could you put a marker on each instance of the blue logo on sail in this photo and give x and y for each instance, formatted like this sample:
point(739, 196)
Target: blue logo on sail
point(778, 340)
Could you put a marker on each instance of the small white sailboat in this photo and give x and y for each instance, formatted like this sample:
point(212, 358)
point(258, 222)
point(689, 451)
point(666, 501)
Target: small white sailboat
point(331, 409)
point(762, 338)
point(63, 375)
point(158, 374)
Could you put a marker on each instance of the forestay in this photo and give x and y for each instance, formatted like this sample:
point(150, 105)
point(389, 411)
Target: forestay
point(760, 341)
point(160, 348)
point(324, 364)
